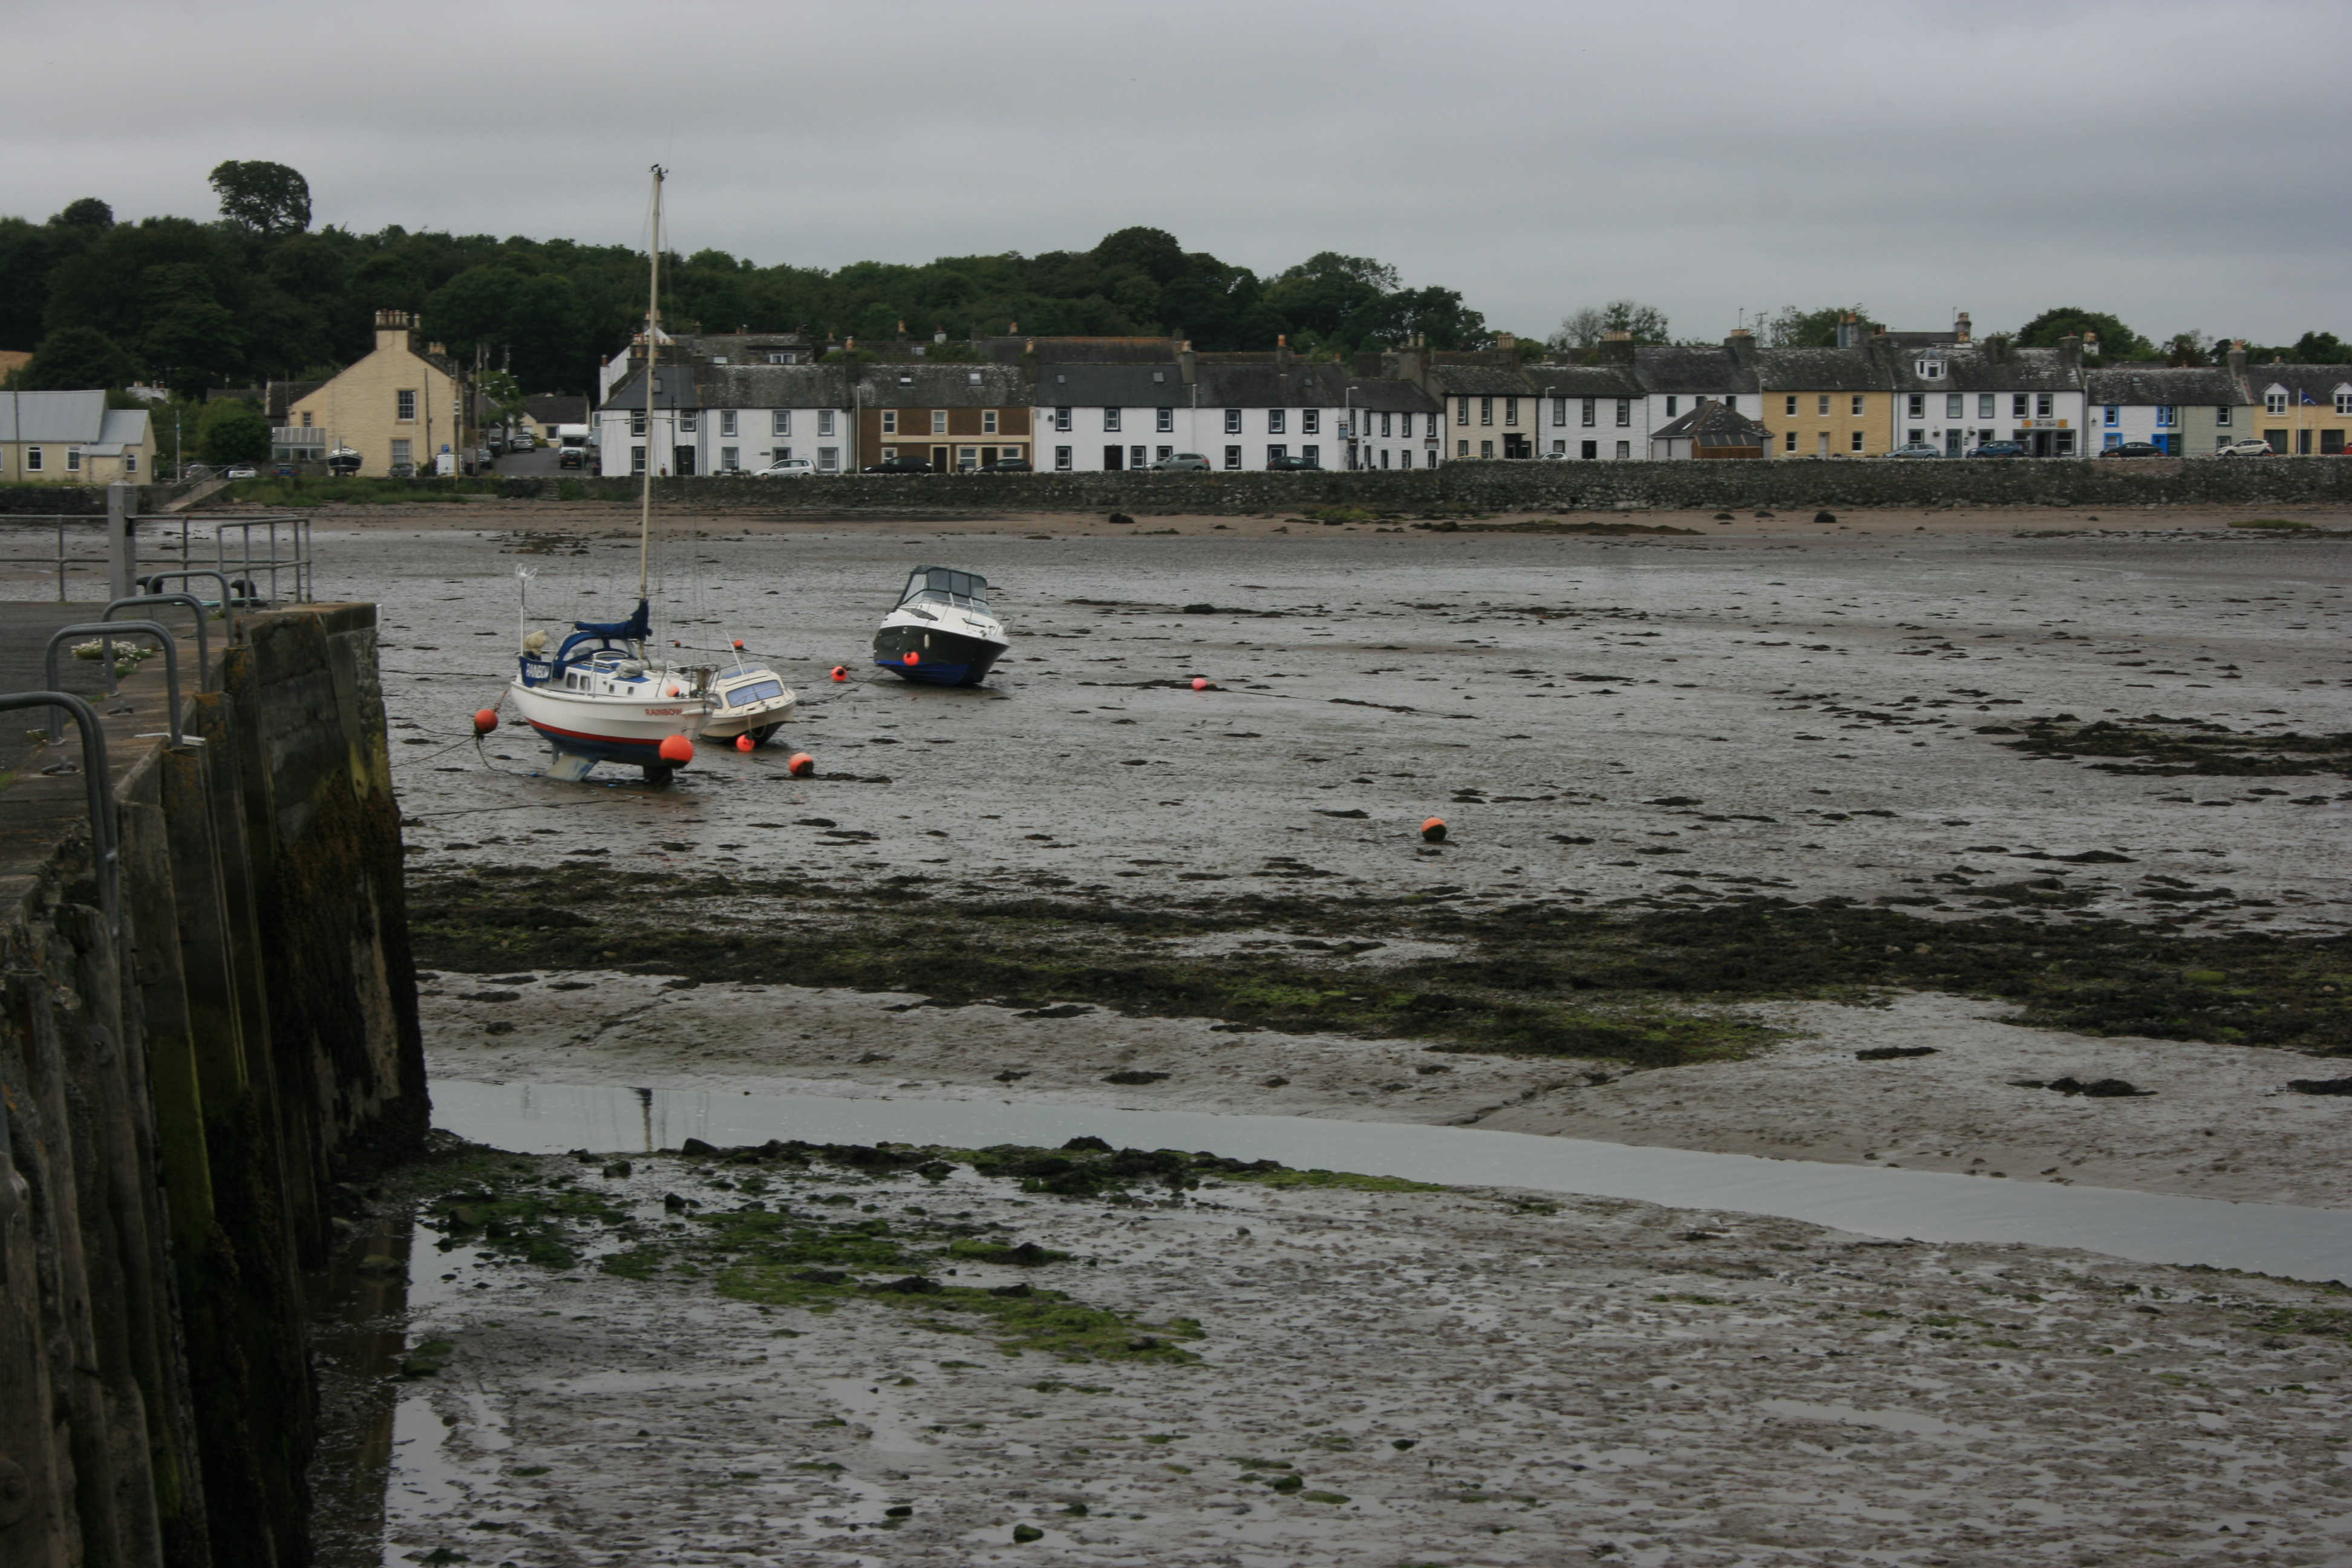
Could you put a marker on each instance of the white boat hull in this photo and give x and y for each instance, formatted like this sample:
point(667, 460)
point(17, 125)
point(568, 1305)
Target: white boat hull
point(608, 728)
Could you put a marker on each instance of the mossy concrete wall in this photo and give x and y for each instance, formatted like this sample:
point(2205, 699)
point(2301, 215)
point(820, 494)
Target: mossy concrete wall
point(183, 1093)
point(1465, 488)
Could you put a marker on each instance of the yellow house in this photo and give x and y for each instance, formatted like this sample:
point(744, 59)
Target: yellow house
point(73, 439)
point(396, 409)
point(1827, 402)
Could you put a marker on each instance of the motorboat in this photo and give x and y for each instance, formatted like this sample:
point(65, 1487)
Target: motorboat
point(749, 699)
point(942, 632)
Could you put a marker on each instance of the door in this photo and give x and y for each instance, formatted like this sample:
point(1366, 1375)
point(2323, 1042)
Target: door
point(681, 461)
point(1951, 443)
point(939, 460)
point(1114, 459)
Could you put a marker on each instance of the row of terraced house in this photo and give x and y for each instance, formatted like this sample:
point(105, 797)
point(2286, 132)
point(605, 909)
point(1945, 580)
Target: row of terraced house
point(742, 402)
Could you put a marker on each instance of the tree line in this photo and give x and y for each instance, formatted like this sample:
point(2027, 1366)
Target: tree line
point(258, 293)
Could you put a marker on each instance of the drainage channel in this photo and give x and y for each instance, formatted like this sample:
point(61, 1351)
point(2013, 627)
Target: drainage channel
point(1924, 1206)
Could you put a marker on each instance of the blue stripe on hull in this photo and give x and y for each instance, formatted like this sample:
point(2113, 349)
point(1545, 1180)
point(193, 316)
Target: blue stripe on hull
point(927, 673)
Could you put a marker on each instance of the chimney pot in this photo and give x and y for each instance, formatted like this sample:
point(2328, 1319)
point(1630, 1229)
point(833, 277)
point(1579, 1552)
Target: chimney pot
point(1960, 328)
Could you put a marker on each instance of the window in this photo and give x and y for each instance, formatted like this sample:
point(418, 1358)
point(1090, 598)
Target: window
point(1111, 418)
point(404, 404)
point(1792, 403)
point(1790, 444)
point(401, 454)
point(1591, 412)
point(2343, 400)
point(1731, 402)
point(1510, 411)
point(1164, 421)
point(1061, 419)
point(1589, 450)
point(1310, 422)
point(888, 452)
point(1984, 405)
point(2115, 414)
point(1624, 448)
point(780, 453)
point(73, 459)
point(1918, 406)
point(2222, 413)
point(1824, 406)
point(1274, 420)
point(726, 422)
point(988, 421)
point(828, 459)
point(889, 422)
point(686, 418)
point(825, 422)
point(2041, 402)
point(637, 459)
point(1234, 454)
point(1956, 405)
point(2275, 401)
point(780, 423)
point(1061, 459)
point(1462, 411)
point(1384, 423)
point(1234, 424)
point(1560, 411)
point(1163, 453)
point(1672, 402)
point(1486, 448)
point(2017, 406)
point(1931, 370)
point(1624, 412)
point(729, 458)
point(130, 462)
point(1404, 458)
point(2163, 417)
point(1135, 457)
point(1312, 454)
point(1560, 448)
point(939, 421)
point(782, 358)
point(1857, 441)
point(1462, 448)
point(1485, 411)
point(1916, 437)
point(1857, 405)
point(637, 421)
point(1274, 452)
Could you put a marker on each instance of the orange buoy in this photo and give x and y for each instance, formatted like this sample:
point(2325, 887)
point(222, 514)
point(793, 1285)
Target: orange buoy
point(1200, 683)
point(1434, 830)
point(677, 749)
point(745, 742)
point(800, 765)
point(912, 658)
point(485, 720)
point(739, 645)
point(841, 672)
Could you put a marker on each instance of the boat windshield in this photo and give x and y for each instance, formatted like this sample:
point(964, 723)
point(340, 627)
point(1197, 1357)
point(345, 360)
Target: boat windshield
point(757, 691)
point(944, 583)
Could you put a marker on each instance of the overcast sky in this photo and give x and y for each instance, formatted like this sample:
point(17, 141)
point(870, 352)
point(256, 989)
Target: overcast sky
point(2183, 166)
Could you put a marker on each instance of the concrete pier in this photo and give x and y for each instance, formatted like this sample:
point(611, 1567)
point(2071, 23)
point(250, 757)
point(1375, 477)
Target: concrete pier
point(184, 1090)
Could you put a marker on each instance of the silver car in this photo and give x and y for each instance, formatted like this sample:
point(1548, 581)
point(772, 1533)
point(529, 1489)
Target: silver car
point(2243, 447)
point(1182, 463)
point(1916, 450)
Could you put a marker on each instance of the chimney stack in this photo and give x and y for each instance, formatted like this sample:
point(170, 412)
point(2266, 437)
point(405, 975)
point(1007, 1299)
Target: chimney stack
point(1960, 328)
point(1848, 330)
point(1617, 348)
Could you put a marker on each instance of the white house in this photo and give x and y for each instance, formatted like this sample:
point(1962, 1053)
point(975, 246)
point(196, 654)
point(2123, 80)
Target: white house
point(1389, 423)
point(1097, 418)
point(2186, 410)
point(1957, 397)
point(1589, 412)
point(1677, 377)
point(713, 418)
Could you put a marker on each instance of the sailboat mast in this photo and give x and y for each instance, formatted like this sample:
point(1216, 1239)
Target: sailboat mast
point(652, 363)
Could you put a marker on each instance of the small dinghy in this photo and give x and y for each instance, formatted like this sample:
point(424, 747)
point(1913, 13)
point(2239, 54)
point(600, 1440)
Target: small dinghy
point(942, 632)
point(749, 699)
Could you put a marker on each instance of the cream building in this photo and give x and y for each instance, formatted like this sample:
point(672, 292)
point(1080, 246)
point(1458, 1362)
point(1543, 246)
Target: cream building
point(73, 439)
point(396, 409)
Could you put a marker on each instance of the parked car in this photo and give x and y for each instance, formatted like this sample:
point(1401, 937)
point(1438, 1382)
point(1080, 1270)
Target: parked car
point(523, 441)
point(1999, 449)
point(787, 468)
point(2243, 447)
point(1916, 450)
point(283, 470)
point(1009, 466)
point(898, 465)
point(1291, 465)
point(2133, 449)
point(242, 471)
point(1182, 463)
point(571, 457)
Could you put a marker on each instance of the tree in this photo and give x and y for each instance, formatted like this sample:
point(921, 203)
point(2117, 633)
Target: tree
point(231, 430)
point(270, 199)
point(2116, 341)
point(1583, 330)
point(77, 359)
point(2189, 348)
point(1796, 329)
point(2320, 348)
point(86, 212)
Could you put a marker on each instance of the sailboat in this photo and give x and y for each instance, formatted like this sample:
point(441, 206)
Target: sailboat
point(601, 697)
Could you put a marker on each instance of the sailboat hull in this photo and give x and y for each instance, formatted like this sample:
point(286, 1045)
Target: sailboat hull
point(607, 729)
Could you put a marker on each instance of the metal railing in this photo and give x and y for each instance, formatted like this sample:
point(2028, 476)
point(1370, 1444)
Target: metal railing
point(63, 558)
point(106, 632)
point(285, 550)
point(152, 582)
point(96, 784)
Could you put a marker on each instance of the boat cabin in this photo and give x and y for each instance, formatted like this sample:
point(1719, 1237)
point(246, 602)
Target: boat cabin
point(947, 585)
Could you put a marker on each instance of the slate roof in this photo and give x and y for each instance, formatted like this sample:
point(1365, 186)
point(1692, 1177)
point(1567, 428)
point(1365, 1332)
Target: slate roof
point(1713, 424)
point(2317, 382)
point(915, 385)
point(1383, 395)
point(1011, 348)
point(1077, 384)
point(1821, 369)
point(1268, 385)
point(1480, 381)
point(678, 390)
point(557, 408)
point(1982, 368)
point(1704, 368)
point(52, 415)
point(774, 386)
point(2150, 383)
point(1585, 380)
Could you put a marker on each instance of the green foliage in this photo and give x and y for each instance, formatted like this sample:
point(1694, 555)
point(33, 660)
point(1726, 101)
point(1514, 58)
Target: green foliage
point(1581, 331)
point(76, 359)
point(232, 431)
point(1796, 329)
point(2117, 342)
point(269, 198)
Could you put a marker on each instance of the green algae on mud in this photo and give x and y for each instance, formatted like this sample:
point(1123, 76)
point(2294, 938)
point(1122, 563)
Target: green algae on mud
point(2166, 747)
point(1651, 987)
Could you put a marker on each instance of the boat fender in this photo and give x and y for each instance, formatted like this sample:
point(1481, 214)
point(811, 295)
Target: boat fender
point(677, 749)
point(1200, 683)
point(841, 672)
point(1434, 830)
point(739, 645)
point(800, 765)
point(912, 658)
point(485, 720)
point(744, 743)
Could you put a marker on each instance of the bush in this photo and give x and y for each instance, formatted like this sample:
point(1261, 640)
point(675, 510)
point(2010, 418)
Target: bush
point(231, 431)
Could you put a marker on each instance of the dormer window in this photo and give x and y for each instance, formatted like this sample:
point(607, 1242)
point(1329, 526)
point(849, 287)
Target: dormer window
point(1159, 375)
point(1931, 370)
point(781, 359)
point(718, 359)
point(2274, 400)
point(2343, 400)
point(906, 380)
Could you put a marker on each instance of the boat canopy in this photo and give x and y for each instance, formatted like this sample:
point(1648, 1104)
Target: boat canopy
point(637, 628)
point(944, 582)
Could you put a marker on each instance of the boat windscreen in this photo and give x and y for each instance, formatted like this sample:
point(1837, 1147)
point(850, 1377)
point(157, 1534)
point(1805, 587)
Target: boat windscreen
point(758, 691)
point(944, 582)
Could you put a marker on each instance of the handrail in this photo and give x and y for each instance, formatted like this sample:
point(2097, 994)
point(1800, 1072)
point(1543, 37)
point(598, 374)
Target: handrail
point(155, 580)
point(96, 783)
point(106, 630)
point(203, 640)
